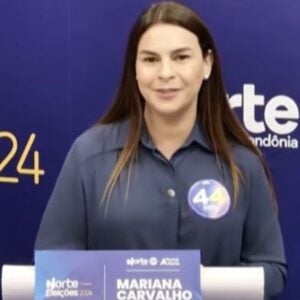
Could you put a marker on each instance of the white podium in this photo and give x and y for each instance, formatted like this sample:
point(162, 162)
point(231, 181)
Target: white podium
point(227, 283)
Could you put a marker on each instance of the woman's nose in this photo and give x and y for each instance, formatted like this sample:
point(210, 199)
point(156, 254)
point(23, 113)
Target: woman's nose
point(166, 70)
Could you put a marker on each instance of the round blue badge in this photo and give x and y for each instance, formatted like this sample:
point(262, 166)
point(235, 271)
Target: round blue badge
point(209, 199)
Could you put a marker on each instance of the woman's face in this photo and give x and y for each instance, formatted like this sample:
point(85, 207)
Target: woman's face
point(170, 69)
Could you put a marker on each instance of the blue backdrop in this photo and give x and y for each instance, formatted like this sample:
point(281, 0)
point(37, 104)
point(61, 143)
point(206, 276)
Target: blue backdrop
point(60, 62)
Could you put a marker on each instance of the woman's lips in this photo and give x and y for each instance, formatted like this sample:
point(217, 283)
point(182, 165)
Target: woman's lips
point(167, 93)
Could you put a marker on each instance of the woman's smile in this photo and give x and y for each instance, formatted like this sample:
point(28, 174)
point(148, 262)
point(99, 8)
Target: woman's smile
point(167, 93)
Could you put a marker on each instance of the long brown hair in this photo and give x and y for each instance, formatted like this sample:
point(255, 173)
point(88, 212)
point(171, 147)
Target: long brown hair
point(219, 123)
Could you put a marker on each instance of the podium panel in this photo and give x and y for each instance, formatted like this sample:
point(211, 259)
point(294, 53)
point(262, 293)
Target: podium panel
point(227, 283)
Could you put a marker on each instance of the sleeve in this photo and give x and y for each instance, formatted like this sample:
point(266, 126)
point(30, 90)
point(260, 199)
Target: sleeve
point(63, 224)
point(262, 242)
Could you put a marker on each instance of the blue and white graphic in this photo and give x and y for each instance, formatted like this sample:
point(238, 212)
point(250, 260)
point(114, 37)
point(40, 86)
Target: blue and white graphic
point(119, 275)
point(209, 199)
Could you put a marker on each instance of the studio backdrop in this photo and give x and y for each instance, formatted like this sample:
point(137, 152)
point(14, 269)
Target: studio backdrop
point(60, 64)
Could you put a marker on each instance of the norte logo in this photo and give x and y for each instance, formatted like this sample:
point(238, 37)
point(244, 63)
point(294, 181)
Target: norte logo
point(137, 261)
point(152, 261)
point(62, 288)
point(271, 122)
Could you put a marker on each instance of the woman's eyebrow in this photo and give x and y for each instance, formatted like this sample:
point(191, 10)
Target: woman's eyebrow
point(184, 49)
point(176, 51)
point(148, 52)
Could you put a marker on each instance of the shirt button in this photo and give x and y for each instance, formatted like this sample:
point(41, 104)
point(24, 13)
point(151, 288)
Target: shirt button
point(171, 193)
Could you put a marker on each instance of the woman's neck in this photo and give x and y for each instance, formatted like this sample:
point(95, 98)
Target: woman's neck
point(169, 133)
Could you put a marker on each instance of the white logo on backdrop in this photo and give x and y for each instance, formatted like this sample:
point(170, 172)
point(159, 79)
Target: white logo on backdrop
point(280, 118)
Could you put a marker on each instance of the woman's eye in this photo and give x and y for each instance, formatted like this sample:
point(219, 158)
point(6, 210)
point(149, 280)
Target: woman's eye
point(182, 57)
point(150, 59)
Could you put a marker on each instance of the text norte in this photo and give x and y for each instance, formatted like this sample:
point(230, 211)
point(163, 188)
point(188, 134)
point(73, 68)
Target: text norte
point(281, 113)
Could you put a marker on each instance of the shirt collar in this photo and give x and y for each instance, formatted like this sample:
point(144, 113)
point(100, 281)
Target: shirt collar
point(197, 136)
point(118, 136)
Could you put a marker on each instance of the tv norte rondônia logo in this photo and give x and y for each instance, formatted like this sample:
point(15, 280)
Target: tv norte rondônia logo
point(280, 117)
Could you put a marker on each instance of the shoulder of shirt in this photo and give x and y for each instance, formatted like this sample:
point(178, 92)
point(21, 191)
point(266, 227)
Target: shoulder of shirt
point(246, 160)
point(100, 139)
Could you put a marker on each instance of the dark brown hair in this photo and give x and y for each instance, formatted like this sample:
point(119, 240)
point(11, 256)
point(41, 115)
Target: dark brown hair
point(219, 123)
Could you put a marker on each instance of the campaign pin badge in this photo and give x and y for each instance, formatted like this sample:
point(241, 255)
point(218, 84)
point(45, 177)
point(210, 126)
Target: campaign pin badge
point(209, 199)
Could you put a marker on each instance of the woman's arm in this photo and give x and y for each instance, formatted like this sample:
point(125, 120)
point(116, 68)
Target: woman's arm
point(262, 242)
point(63, 225)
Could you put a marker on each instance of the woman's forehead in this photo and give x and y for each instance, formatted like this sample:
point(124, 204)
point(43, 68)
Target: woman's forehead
point(167, 37)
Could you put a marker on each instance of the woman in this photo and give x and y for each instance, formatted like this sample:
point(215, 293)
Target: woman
point(169, 166)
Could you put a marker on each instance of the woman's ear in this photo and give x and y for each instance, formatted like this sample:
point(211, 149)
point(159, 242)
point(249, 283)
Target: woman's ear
point(208, 63)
